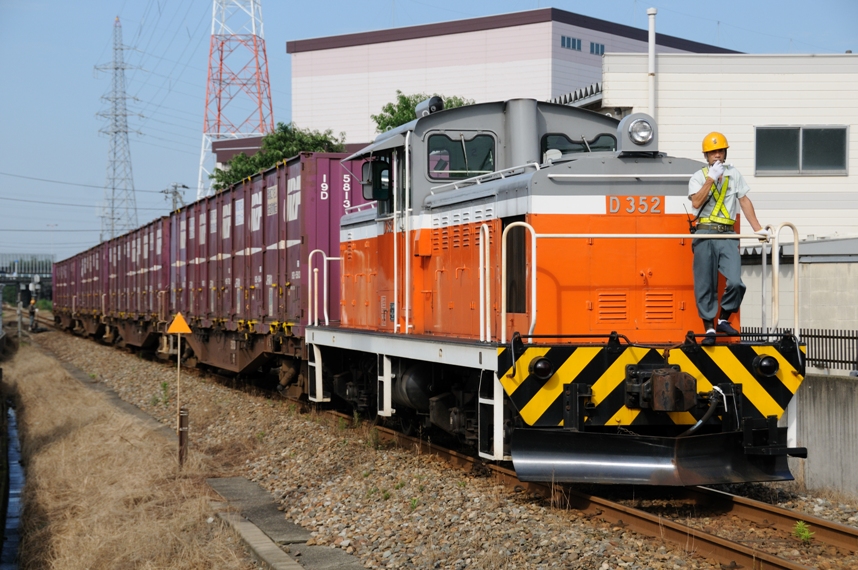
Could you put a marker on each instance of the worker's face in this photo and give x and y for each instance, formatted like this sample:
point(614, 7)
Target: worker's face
point(719, 154)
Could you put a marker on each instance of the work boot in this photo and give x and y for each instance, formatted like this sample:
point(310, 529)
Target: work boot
point(726, 328)
point(709, 339)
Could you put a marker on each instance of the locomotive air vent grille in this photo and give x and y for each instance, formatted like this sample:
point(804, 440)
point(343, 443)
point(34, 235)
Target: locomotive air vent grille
point(613, 306)
point(440, 239)
point(457, 218)
point(466, 217)
point(457, 236)
point(466, 236)
point(659, 306)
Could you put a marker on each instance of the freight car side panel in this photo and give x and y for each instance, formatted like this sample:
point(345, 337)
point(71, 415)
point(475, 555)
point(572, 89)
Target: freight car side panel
point(254, 293)
point(319, 190)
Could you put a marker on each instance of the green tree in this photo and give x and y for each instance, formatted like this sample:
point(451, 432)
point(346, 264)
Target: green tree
point(285, 141)
point(401, 111)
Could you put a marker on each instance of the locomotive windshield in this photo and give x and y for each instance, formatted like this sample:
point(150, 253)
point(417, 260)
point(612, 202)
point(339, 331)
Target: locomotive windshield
point(567, 146)
point(460, 157)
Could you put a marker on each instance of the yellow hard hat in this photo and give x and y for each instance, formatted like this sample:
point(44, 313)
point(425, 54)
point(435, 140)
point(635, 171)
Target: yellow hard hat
point(32, 301)
point(714, 141)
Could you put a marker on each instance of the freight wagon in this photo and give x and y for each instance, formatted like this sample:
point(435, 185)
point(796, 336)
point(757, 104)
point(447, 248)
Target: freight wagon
point(233, 264)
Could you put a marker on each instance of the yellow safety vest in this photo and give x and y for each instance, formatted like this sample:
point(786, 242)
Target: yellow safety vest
point(719, 214)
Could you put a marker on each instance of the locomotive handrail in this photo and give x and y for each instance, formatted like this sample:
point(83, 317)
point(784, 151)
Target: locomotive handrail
point(657, 176)
point(355, 209)
point(776, 277)
point(313, 287)
point(479, 179)
point(535, 236)
point(485, 285)
point(532, 278)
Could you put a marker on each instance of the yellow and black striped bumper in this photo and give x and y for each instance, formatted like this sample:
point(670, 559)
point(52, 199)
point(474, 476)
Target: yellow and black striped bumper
point(603, 368)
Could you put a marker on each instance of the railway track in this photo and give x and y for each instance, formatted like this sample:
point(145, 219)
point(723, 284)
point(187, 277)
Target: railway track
point(733, 550)
point(730, 553)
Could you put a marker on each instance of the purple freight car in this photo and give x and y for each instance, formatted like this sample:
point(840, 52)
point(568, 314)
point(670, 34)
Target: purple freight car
point(234, 264)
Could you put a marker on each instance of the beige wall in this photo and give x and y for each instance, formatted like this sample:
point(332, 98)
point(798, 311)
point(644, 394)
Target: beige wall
point(340, 88)
point(734, 94)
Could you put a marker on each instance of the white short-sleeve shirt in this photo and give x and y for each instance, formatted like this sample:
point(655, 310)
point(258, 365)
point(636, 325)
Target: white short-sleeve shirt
point(737, 188)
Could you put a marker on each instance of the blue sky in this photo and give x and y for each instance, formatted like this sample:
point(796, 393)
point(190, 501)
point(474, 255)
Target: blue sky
point(50, 94)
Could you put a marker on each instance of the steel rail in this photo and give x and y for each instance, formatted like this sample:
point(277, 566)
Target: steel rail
point(730, 554)
point(764, 514)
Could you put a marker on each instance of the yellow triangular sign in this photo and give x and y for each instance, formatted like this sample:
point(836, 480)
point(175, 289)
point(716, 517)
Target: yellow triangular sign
point(179, 326)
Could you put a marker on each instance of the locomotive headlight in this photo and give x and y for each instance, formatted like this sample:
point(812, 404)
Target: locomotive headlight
point(640, 131)
point(766, 365)
point(542, 368)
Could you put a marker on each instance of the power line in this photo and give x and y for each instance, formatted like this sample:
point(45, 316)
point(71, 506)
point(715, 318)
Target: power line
point(71, 183)
point(44, 231)
point(65, 204)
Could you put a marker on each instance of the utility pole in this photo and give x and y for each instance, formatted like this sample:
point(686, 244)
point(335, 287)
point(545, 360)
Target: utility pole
point(238, 72)
point(174, 191)
point(120, 206)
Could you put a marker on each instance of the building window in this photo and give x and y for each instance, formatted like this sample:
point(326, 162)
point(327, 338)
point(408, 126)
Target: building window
point(597, 49)
point(794, 151)
point(570, 43)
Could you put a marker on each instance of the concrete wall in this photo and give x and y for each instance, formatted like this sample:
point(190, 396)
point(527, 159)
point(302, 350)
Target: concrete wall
point(734, 94)
point(827, 425)
point(828, 296)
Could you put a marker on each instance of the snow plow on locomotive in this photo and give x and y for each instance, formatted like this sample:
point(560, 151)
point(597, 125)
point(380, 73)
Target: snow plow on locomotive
point(516, 274)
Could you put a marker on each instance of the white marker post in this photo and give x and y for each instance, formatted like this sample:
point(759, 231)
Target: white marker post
point(178, 327)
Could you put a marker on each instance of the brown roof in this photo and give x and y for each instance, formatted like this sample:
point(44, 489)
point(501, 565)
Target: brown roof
point(495, 22)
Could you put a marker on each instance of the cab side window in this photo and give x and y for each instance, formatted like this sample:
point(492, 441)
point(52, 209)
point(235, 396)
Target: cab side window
point(456, 158)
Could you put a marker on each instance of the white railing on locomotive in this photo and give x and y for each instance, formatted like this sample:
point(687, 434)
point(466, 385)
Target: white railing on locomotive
point(480, 178)
point(360, 207)
point(535, 236)
point(485, 285)
point(776, 277)
point(313, 287)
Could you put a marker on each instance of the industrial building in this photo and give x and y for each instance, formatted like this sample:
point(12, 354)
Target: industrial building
point(338, 82)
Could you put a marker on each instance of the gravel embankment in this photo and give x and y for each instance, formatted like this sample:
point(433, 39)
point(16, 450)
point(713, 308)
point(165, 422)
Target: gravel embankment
point(390, 507)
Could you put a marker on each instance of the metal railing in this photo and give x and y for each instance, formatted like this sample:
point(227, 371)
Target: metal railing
point(826, 348)
point(533, 264)
point(313, 287)
point(480, 178)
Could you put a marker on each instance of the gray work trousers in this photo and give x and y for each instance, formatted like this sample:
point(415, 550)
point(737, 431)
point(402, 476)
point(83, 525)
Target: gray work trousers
point(713, 256)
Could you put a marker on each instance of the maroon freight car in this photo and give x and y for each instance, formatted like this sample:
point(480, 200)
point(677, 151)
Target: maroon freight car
point(234, 264)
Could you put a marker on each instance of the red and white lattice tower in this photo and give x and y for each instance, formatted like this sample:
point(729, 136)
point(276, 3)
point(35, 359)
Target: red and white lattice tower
point(238, 93)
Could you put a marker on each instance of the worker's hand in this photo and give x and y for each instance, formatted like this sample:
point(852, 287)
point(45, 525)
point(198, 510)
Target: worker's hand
point(765, 234)
point(716, 171)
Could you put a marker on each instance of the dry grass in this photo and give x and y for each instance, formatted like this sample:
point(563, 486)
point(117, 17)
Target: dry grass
point(102, 490)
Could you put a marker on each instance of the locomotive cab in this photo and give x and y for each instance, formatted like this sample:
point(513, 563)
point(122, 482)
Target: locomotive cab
point(523, 281)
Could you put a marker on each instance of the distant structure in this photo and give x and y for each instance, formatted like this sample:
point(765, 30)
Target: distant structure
point(238, 93)
point(538, 54)
point(120, 205)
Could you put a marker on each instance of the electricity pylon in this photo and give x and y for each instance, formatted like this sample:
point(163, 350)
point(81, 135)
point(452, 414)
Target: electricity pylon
point(119, 213)
point(238, 93)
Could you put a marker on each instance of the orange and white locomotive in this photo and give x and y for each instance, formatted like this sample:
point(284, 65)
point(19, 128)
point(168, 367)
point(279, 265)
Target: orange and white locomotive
point(522, 279)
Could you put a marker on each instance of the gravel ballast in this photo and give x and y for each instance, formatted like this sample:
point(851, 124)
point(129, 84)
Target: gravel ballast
point(390, 507)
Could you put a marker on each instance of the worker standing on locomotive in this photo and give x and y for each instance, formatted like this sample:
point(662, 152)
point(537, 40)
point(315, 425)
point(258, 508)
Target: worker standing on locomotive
point(715, 192)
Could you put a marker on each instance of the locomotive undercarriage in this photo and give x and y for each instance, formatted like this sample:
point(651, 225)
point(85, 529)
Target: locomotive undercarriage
point(424, 395)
